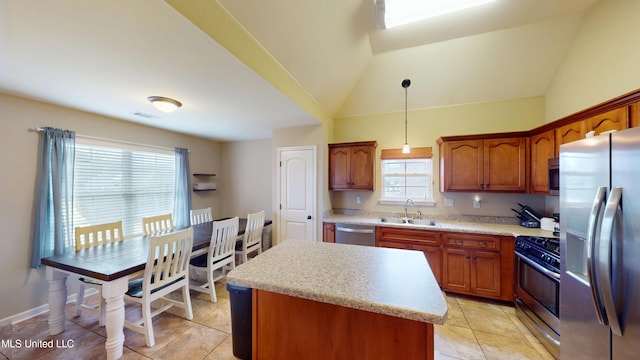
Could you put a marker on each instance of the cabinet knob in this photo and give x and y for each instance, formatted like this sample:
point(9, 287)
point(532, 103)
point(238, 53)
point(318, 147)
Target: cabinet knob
point(467, 257)
point(308, 217)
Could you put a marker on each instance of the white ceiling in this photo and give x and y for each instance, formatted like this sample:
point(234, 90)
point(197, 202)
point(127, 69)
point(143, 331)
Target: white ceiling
point(107, 57)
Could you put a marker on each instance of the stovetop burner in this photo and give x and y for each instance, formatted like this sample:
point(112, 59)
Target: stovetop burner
point(545, 251)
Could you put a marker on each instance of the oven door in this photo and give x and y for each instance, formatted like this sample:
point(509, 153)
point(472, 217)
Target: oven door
point(539, 289)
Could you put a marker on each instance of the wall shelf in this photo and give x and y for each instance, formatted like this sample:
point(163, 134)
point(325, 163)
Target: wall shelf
point(203, 174)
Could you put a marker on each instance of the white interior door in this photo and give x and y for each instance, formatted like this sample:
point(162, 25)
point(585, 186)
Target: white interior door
point(297, 195)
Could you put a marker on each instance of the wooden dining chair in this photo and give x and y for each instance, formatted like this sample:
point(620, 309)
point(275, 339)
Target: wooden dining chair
point(252, 238)
point(87, 237)
point(199, 216)
point(220, 258)
point(167, 270)
point(156, 224)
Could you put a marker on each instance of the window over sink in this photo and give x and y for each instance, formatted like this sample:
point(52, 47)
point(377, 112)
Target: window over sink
point(406, 176)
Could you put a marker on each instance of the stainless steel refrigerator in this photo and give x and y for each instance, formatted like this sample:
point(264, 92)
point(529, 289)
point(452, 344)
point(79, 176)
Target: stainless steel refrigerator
point(600, 247)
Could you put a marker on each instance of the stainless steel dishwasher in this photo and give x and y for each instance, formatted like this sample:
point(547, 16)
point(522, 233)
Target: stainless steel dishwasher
point(356, 234)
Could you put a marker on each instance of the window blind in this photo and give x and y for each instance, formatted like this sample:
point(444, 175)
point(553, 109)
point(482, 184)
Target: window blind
point(114, 181)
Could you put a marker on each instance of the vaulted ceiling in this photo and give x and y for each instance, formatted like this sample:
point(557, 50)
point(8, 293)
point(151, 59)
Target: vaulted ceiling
point(107, 57)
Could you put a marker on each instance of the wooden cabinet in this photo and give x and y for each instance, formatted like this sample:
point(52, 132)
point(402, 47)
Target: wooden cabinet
point(542, 149)
point(480, 265)
point(570, 132)
point(466, 263)
point(329, 232)
point(352, 166)
point(634, 115)
point(414, 239)
point(483, 165)
point(617, 119)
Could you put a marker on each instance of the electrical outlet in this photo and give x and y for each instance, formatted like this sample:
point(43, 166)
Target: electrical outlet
point(476, 204)
point(358, 200)
point(448, 202)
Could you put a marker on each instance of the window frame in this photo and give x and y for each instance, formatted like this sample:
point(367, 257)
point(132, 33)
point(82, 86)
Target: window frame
point(424, 153)
point(131, 217)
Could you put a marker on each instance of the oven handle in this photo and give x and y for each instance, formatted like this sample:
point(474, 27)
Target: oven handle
point(538, 267)
point(592, 243)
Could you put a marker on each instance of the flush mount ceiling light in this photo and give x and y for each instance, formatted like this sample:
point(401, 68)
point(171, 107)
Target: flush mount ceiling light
point(406, 149)
point(392, 13)
point(164, 103)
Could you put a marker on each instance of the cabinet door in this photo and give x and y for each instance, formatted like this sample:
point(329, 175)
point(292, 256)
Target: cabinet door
point(634, 115)
point(329, 232)
point(461, 166)
point(339, 168)
point(617, 119)
point(434, 258)
point(542, 149)
point(455, 270)
point(568, 133)
point(485, 273)
point(505, 165)
point(362, 168)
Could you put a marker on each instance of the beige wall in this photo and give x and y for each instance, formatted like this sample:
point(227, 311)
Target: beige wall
point(602, 62)
point(23, 288)
point(246, 183)
point(425, 127)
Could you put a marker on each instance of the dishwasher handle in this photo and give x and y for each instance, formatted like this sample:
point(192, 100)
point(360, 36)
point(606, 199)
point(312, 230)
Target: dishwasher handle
point(350, 230)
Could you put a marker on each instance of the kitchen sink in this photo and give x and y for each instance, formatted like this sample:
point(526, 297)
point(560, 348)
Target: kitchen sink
point(423, 222)
point(394, 220)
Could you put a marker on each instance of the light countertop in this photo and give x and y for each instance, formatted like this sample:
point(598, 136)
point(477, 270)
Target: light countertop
point(386, 281)
point(445, 225)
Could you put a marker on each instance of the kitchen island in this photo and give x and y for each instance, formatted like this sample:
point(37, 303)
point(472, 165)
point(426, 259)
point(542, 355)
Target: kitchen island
point(317, 300)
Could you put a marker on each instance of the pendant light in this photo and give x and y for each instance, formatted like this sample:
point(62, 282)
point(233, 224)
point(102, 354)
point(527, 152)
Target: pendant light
point(406, 149)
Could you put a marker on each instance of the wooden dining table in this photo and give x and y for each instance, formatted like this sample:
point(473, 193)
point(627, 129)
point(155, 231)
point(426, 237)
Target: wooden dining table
point(112, 265)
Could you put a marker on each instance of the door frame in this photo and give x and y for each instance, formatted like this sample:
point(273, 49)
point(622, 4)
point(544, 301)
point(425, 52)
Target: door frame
point(314, 186)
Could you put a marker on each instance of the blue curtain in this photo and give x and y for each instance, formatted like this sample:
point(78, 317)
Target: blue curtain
point(182, 194)
point(54, 217)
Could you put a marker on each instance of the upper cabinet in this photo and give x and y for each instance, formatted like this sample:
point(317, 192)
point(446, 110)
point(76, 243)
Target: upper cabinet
point(490, 165)
point(616, 119)
point(542, 149)
point(352, 166)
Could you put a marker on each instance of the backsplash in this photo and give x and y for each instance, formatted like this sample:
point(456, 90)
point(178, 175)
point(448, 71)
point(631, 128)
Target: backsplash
point(440, 217)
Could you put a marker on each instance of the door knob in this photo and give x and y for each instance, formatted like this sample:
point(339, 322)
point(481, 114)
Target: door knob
point(309, 217)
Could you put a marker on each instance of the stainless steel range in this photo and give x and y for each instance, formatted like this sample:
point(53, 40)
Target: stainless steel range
point(538, 288)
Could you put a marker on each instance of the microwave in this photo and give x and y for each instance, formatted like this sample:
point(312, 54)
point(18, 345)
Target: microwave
point(554, 176)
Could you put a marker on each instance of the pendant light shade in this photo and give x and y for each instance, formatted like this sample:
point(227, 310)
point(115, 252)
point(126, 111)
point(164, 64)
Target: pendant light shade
point(406, 149)
point(164, 104)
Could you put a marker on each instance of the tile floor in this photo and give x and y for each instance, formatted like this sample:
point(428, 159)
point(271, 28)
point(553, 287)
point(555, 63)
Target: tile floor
point(474, 330)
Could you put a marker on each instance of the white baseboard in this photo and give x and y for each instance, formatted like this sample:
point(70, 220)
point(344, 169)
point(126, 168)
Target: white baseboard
point(25, 315)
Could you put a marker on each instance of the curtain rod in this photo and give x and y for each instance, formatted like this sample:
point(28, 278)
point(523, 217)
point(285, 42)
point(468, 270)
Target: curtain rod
point(39, 129)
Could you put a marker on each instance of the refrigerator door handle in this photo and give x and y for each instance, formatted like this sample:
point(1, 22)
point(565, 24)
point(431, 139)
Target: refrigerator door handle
point(611, 217)
point(594, 216)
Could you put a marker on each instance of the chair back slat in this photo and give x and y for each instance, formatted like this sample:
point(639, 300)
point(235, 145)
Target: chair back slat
point(223, 239)
point(168, 259)
point(253, 230)
point(94, 235)
point(156, 224)
point(199, 216)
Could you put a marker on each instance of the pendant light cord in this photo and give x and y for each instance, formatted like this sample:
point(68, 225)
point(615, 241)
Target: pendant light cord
point(405, 115)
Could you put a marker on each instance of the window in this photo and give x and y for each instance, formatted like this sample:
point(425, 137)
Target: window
point(407, 176)
point(115, 181)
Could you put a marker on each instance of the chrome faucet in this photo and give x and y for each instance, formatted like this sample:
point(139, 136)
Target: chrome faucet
point(407, 203)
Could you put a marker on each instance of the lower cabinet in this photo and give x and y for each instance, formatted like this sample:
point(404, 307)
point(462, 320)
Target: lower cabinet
point(477, 264)
point(329, 232)
point(413, 239)
point(465, 263)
